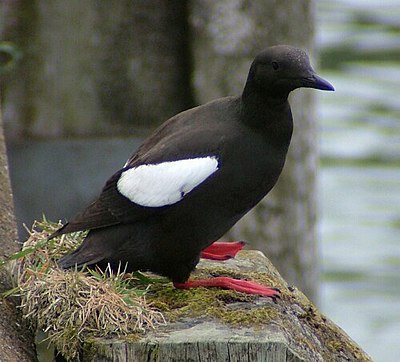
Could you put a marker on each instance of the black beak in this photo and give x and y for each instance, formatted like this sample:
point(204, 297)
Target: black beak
point(315, 81)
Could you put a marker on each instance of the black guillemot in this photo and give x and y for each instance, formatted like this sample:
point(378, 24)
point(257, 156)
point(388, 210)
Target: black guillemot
point(195, 177)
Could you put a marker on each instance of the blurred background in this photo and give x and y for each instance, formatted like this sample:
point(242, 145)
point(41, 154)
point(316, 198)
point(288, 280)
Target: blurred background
point(359, 182)
point(87, 82)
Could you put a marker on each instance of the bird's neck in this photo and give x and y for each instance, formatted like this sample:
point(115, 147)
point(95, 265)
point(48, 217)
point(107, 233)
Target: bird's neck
point(261, 110)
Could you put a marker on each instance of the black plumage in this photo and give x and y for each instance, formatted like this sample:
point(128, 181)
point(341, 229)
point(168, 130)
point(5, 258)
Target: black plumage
point(247, 138)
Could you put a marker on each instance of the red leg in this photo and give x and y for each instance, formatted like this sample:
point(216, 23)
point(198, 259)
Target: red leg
point(222, 250)
point(243, 286)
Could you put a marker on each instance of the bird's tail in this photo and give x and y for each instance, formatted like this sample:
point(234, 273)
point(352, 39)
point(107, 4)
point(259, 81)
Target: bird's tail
point(90, 252)
point(79, 259)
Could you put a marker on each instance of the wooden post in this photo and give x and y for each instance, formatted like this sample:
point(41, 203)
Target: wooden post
point(249, 329)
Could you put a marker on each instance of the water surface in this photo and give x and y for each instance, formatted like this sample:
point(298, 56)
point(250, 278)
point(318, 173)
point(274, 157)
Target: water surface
point(360, 174)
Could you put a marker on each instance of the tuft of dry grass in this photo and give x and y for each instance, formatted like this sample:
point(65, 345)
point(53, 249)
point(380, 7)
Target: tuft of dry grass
point(74, 304)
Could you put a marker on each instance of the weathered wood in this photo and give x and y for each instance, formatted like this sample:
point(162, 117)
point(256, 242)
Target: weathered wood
point(292, 329)
point(206, 341)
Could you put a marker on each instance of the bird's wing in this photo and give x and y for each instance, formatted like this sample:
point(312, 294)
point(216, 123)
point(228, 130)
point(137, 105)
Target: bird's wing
point(134, 193)
point(166, 183)
point(167, 167)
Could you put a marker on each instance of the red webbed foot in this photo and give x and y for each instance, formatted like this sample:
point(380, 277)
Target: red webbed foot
point(238, 285)
point(222, 250)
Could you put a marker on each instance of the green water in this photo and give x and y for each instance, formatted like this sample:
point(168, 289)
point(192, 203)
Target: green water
point(359, 43)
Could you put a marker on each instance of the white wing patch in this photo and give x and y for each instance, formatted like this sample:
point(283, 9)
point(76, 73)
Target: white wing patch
point(166, 183)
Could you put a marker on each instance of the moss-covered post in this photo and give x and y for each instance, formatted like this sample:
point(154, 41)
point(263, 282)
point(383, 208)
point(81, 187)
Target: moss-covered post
point(226, 36)
point(217, 325)
point(107, 319)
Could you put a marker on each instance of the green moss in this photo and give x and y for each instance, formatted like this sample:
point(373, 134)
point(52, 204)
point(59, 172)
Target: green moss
point(250, 317)
point(335, 345)
point(91, 348)
point(226, 305)
point(133, 337)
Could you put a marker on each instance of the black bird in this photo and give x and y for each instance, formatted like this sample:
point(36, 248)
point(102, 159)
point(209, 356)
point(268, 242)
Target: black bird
point(195, 177)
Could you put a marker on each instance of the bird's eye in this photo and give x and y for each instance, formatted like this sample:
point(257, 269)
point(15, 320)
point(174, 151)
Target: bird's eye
point(275, 65)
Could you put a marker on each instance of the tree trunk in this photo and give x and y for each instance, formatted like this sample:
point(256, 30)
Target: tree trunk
point(226, 36)
point(15, 336)
point(92, 68)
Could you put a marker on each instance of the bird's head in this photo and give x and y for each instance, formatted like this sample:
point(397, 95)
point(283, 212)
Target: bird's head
point(278, 70)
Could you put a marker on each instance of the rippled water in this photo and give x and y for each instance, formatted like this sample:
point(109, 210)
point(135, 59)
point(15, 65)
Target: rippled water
point(360, 175)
